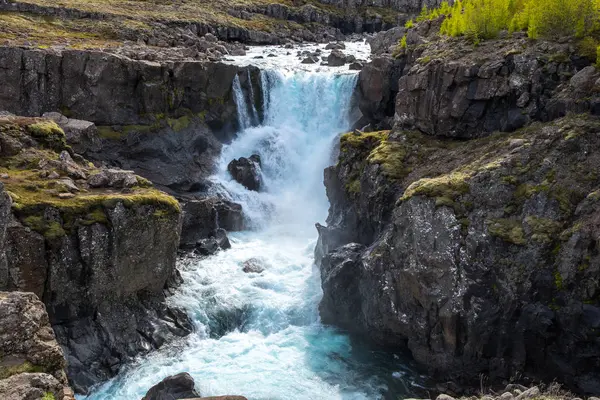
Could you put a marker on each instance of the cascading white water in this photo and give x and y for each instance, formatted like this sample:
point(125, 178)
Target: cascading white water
point(259, 334)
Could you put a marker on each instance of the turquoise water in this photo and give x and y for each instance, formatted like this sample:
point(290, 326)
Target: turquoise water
point(259, 335)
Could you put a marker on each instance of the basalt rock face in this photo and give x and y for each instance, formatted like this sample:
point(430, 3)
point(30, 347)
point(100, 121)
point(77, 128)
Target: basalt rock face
point(202, 218)
point(399, 5)
point(97, 252)
point(448, 88)
point(31, 361)
point(478, 256)
point(165, 121)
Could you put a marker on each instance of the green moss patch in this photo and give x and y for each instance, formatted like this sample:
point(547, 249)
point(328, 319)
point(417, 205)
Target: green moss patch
point(26, 367)
point(509, 230)
point(449, 186)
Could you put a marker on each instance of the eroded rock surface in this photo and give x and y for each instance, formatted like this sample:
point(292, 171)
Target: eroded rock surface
point(98, 254)
point(31, 361)
point(483, 259)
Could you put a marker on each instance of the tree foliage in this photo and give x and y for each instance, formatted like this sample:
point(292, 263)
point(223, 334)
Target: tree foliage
point(484, 19)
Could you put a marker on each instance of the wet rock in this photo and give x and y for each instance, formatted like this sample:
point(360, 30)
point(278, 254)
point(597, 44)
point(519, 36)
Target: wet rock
point(310, 60)
point(217, 241)
point(253, 265)
point(201, 219)
point(335, 46)
point(336, 59)
point(246, 171)
point(356, 66)
point(180, 386)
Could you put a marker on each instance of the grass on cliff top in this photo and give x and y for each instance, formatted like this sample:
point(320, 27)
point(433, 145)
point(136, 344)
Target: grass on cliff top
point(131, 18)
point(444, 170)
point(32, 194)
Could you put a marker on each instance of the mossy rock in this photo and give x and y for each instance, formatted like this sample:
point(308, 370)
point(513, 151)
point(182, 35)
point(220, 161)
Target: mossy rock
point(509, 230)
point(25, 367)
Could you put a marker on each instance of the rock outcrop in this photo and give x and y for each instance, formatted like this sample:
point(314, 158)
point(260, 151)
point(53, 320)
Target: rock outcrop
point(246, 171)
point(448, 88)
point(98, 255)
point(478, 256)
point(166, 121)
point(31, 361)
point(483, 259)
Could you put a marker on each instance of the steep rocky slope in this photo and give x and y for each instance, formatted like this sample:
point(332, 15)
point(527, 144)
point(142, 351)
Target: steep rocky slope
point(449, 87)
point(166, 120)
point(103, 23)
point(481, 255)
point(32, 365)
point(97, 245)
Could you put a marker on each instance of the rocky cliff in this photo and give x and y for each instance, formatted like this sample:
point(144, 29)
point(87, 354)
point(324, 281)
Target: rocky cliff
point(479, 256)
point(447, 87)
point(97, 246)
point(32, 365)
point(164, 120)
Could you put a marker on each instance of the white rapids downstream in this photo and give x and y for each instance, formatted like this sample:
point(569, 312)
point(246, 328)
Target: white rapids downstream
point(259, 335)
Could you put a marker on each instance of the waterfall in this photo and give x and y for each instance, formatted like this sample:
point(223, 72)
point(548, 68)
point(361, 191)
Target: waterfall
point(255, 117)
point(259, 334)
point(243, 114)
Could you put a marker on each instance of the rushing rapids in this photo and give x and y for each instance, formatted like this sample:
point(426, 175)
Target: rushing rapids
point(259, 334)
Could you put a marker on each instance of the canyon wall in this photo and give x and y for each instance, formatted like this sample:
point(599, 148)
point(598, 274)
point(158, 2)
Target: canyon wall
point(479, 256)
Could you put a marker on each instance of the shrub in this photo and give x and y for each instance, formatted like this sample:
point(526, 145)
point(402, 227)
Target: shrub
point(484, 19)
point(409, 24)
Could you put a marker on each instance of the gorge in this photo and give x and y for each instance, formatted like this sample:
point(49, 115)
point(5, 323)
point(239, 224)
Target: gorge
point(259, 198)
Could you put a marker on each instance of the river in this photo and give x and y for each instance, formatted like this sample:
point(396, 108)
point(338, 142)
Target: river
point(259, 334)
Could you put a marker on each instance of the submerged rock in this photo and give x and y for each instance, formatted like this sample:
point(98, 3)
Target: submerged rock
point(253, 265)
point(246, 171)
point(211, 245)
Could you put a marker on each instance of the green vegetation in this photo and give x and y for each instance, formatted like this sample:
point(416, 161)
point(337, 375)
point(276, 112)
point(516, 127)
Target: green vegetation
point(48, 396)
point(390, 155)
point(362, 140)
point(484, 19)
point(509, 230)
point(543, 230)
point(26, 367)
point(449, 186)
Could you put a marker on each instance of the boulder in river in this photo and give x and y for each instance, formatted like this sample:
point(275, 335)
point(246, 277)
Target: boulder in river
point(180, 386)
point(217, 241)
point(246, 171)
point(336, 58)
point(253, 265)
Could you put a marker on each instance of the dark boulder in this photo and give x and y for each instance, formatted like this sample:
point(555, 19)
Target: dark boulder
point(336, 59)
point(175, 387)
point(246, 171)
point(215, 242)
point(201, 218)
